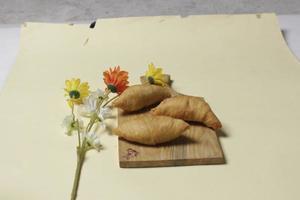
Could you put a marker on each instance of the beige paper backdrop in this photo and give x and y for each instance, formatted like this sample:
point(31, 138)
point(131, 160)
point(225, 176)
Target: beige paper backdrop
point(239, 63)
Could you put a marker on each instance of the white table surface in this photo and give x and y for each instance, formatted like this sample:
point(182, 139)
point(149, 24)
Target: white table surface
point(10, 34)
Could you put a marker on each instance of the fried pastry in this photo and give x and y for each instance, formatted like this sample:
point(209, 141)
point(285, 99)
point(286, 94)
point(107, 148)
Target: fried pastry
point(150, 129)
point(137, 97)
point(188, 108)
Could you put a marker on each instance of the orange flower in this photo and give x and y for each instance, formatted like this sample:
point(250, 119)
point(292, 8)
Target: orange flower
point(116, 80)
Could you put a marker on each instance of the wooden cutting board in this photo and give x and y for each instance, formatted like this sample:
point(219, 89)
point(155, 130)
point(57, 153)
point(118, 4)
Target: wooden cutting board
point(198, 145)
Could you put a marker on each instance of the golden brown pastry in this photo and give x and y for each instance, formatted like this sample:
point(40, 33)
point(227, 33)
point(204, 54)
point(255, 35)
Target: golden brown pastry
point(137, 97)
point(150, 129)
point(188, 108)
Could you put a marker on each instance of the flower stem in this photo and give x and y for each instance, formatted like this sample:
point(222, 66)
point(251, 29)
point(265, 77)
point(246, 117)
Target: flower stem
point(80, 160)
point(73, 115)
point(78, 134)
point(90, 125)
point(107, 102)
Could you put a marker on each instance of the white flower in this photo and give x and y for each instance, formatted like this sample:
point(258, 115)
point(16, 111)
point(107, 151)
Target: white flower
point(104, 113)
point(98, 93)
point(70, 125)
point(93, 140)
point(89, 107)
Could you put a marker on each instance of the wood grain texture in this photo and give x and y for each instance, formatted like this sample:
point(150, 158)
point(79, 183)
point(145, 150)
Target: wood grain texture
point(198, 145)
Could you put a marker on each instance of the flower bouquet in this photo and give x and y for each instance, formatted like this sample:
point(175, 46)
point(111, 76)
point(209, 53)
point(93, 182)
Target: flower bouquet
point(91, 105)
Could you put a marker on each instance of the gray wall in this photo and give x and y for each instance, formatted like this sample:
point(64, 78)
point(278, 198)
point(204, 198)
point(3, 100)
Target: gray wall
point(18, 11)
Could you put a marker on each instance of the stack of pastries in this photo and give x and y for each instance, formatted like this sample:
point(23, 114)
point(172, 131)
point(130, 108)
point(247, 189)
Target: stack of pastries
point(165, 114)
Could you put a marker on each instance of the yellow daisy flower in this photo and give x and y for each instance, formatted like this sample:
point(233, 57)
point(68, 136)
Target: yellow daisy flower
point(76, 91)
point(155, 75)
